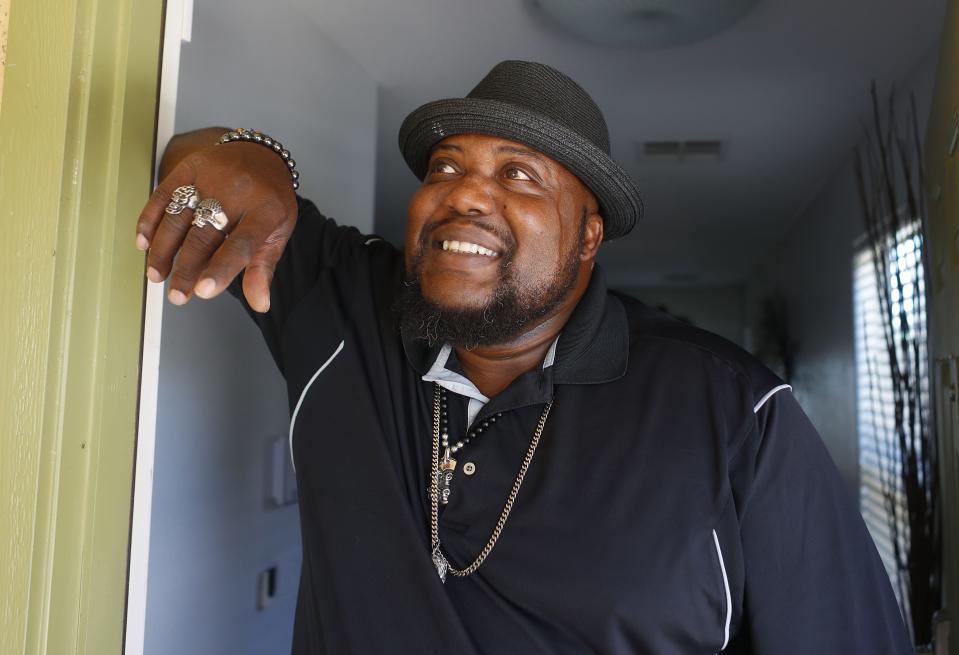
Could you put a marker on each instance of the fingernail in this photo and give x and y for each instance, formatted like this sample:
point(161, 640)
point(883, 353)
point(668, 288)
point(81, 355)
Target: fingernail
point(142, 243)
point(154, 275)
point(205, 287)
point(177, 297)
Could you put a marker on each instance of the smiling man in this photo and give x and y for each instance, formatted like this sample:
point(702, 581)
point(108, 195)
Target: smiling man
point(501, 290)
point(495, 454)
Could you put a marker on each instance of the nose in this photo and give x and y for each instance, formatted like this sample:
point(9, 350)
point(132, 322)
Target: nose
point(471, 196)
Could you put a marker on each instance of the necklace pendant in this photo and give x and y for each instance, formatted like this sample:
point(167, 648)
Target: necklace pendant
point(439, 561)
point(447, 463)
point(444, 477)
point(444, 481)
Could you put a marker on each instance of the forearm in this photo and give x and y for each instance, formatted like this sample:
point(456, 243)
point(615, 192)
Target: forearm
point(183, 145)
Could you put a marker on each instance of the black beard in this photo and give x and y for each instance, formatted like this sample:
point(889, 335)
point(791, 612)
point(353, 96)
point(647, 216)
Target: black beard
point(508, 313)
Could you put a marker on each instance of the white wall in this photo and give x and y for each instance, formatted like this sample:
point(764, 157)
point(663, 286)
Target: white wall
point(812, 268)
point(220, 397)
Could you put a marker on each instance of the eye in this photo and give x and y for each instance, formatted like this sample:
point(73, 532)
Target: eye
point(442, 168)
point(514, 173)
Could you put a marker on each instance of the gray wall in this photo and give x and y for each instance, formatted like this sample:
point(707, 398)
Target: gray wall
point(812, 268)
point(220, 398)
point(717, 309)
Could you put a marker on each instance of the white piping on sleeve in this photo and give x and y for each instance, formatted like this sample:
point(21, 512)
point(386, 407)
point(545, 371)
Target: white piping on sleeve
point(299, 402)
point(729, 601)
point(769, 394)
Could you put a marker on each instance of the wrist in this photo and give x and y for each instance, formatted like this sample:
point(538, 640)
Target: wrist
point(259, 138)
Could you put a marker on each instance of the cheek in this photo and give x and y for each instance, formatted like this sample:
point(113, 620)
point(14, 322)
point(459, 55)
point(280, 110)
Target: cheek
point(540, 243)
point(419, 209)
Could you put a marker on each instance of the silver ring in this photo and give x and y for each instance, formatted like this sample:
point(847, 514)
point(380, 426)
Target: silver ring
point(183, 197)
point(210, 212)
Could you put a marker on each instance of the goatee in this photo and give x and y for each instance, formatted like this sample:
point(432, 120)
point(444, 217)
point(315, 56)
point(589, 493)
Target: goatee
point(512, 309)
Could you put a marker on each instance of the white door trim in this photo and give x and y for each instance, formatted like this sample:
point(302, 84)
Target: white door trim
point(177, 27)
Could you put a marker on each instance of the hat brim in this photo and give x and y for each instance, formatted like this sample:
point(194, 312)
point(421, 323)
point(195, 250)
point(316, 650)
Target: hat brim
point(620, 204)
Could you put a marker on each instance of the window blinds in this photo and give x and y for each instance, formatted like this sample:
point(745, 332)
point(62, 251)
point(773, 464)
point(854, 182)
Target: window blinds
point(879, 450)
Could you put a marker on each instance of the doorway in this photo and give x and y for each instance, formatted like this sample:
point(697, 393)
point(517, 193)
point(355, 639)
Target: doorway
point(724, 232)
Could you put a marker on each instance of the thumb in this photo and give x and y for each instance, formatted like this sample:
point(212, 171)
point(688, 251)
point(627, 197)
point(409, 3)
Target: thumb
point(259, 275)
point(256, 287)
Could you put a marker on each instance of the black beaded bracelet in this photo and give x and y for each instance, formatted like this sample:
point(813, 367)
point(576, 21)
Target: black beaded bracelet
point(254, 136)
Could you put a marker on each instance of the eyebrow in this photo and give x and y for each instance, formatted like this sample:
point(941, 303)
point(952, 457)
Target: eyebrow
point(513, 150)
point(532, 154)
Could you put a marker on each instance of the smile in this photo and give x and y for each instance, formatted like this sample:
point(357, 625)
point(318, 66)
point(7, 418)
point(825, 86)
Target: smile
point(468, 248)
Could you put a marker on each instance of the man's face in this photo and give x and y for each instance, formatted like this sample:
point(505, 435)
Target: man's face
point(495, 217)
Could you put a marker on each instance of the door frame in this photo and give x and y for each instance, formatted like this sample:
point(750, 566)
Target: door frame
point(178, 27)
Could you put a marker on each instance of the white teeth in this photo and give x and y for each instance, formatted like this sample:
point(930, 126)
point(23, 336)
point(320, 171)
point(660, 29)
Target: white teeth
point(467, 247)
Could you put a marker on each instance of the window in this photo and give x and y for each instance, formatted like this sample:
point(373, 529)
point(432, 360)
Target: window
point(881, 493)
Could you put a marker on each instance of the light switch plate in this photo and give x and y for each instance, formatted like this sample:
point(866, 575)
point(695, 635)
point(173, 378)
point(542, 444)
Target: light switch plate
point(265, 587)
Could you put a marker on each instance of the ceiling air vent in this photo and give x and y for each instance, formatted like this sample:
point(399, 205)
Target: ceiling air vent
point(675, 150)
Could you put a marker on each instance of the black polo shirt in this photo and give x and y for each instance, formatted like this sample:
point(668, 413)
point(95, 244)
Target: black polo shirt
point(679, 502)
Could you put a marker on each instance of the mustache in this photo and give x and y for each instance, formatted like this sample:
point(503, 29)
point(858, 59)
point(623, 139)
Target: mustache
point(505, 238)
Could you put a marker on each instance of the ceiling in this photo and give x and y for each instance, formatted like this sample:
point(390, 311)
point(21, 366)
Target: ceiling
point(785, 87)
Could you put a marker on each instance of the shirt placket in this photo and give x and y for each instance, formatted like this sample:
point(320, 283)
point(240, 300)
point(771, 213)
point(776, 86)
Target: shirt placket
point(494, 458)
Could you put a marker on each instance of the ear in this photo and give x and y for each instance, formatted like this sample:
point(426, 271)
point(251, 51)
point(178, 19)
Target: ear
point(592, 236)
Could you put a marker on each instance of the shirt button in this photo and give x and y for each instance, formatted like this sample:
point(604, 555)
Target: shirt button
point(469, 468)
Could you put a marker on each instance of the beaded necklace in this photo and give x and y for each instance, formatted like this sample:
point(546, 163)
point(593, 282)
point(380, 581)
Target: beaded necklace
point(447, 464)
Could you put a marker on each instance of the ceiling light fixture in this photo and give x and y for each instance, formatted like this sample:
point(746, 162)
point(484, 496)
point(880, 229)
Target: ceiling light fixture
point(644, 23)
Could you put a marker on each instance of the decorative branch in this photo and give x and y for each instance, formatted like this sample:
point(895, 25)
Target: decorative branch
point(888, 167)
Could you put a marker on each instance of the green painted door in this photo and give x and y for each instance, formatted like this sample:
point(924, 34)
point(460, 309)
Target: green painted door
point(77, 123)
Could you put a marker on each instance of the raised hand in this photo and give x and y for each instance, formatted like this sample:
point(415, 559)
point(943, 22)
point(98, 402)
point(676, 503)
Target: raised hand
point(254, 187)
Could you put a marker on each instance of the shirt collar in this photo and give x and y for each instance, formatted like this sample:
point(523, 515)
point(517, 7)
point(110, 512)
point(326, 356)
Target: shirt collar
point(593, 347)
point(450, 378)
point(449, 375)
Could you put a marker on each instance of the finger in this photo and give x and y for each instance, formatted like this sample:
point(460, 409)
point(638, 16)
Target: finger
point(252, 235)
point(252, 251)
point(198, 246)
point(155, 208)
point(167, 239)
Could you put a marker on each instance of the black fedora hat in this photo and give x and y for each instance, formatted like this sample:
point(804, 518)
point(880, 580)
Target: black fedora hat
point(544, 109)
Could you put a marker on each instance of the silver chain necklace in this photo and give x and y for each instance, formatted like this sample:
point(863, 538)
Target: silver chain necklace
point(437, 474)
